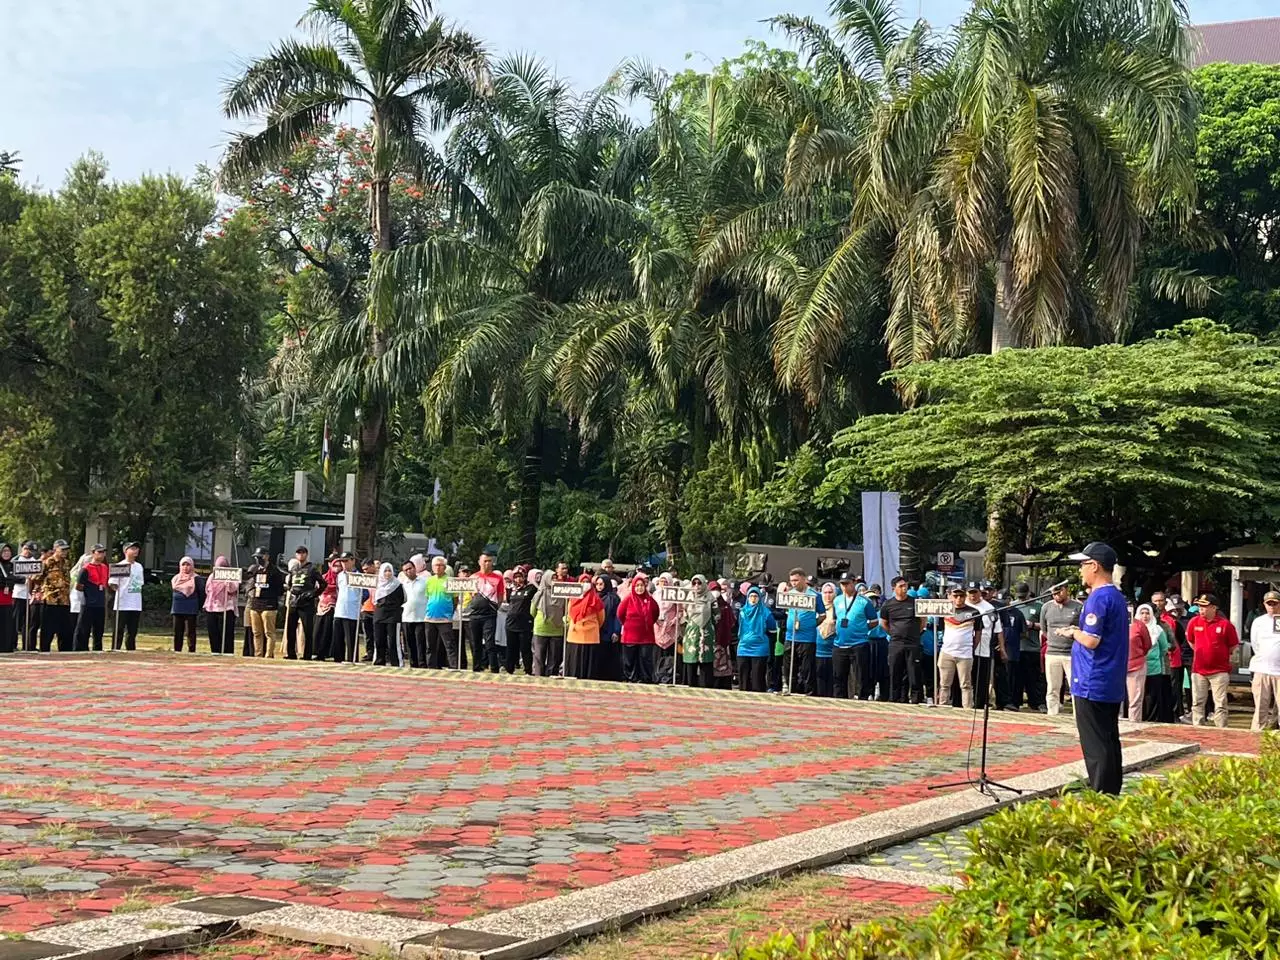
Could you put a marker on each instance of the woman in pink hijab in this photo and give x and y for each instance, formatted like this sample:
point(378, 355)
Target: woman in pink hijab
point(220, 611)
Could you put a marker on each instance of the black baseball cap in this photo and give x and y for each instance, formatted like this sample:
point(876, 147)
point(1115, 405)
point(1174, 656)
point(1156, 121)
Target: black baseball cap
point(302, 548)
point(1022, 590)
point(848, 577)
point(346, 555)
point(261, 552)
point(96, 547)
point(60, 544)
point(132, 543)
point(1100, 553)
point(973, 585)
point(31, 545)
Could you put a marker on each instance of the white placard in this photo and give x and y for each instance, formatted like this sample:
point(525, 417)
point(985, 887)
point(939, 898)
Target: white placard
point(223, 574)
point(461, 585)
point(795, 600)
point(366, 581)
point(567, 591)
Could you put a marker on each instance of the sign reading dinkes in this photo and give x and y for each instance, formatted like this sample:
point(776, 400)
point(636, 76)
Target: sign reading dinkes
point(928, 607)
point(218, 574)
point(795, 600)
point(461, 585)
point(567, 591)
point(684, 595)
point(27, 568)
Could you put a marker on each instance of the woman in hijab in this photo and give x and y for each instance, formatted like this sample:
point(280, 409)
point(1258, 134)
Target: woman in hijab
point(667, 637)
point(1157, 697)
point(548, 628)
point(8, 635)
point(388, 607)
point(824, 651)
point(188, 596)
point(610, 652)
point(726, 628)
point(326, 605)
point(638, 615)
point(586, 617)
point(700, 636)
point(755, 629)
point(220, 612)
point(1142, 633)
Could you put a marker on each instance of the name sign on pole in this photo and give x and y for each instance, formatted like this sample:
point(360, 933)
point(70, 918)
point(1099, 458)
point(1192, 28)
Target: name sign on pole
point(365, 581)
point(795, 600)
point(219, 574)
point(119, 570)
point(461, 585)
point(683, 595)
point(930, 607)
point(567, 591)
point(27, 568)
point(1275, 624)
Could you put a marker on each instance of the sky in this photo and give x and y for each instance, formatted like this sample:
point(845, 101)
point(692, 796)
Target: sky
point(140, 80)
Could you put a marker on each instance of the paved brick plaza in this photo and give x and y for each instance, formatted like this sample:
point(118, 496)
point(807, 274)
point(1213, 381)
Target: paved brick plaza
point(148, 779)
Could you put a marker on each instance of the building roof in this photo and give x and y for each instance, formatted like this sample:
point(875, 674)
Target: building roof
point(1237, 41)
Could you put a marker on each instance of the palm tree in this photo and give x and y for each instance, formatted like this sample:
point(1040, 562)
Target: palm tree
point(9, 163)
point(1075, 118)
point(554, 176)
point(412, 72)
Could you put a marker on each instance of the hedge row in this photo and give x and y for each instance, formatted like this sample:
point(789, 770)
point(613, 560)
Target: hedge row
point(1185, 867)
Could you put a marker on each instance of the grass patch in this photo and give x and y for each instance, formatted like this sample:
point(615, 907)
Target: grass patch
point(131, 904)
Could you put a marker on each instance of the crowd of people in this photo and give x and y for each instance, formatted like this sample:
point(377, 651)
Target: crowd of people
point(850, 640)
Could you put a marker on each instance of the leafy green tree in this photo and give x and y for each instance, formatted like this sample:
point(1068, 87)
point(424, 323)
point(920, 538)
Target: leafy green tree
point(477, 493)
point(1163, 449)
point(10, 163)
point(130, 321)
point(412, 71)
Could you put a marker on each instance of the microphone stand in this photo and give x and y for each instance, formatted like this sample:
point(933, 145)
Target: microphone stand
point(983, 783)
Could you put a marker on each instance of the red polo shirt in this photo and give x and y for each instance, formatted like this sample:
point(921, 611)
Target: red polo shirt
point(1175, 648)
point(1212, 643)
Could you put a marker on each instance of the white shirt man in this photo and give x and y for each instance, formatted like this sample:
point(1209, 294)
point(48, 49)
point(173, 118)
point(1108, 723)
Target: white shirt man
point(1264, 637)
point(961, 632)
point(128, 594)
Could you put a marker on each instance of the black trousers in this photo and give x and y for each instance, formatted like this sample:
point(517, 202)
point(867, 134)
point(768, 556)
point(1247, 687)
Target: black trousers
point(1099, 727)
point(346, 639)
point(8, 634)
point(903, 679)
point(1027, 679)
point(184, 624)
point(879, 647)
point(366, 628)
point(927, 672)
point(776, 665)
point(519, 650)
point(799, 666)
point(26, 624)
point(484, 647)
point(637, 662)
point(415, 643)
point(844, 673)
point(864, 663)
point(291, 620)
point(55, 620)
point(385, 651)
point(753, 674)
point(824, 676)
point(222, 631)
point(982, 682)
point(324, 636)
point(90, 620)
point(441, 650)
point(126, 630)
point(699, 675)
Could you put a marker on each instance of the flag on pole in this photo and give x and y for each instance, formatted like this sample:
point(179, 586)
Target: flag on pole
point(326, 457)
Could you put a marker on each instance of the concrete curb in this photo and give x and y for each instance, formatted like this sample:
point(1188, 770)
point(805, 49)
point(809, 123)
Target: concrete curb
point(535, 929)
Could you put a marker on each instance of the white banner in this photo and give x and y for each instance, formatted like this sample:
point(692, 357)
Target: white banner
point(881, 559)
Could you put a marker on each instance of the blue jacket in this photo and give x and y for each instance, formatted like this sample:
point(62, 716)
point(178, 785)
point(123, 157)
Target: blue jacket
point(755, 624)
point(186, 606)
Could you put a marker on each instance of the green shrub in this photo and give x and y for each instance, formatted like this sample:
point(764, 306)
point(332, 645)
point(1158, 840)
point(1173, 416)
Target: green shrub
point(1185, 867)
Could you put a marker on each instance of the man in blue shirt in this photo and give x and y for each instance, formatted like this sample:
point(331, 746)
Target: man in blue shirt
point(851, 654)
point(802, 636)
point(1099, 664)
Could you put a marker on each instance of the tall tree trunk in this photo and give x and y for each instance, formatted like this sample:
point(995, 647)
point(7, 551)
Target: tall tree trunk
point(997, 545)
point(530, 492)
point(1001, 328)
point(372, 447)
point(911, 541)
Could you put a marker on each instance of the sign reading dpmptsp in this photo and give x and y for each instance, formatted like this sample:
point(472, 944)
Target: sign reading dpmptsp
point(685, 595)
point(930, 607)
point(27, 568)
point(365, 581)
point(222, 574)
point(461, 585)
point(795, 600)
point(567, 591)
point(119, 570)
